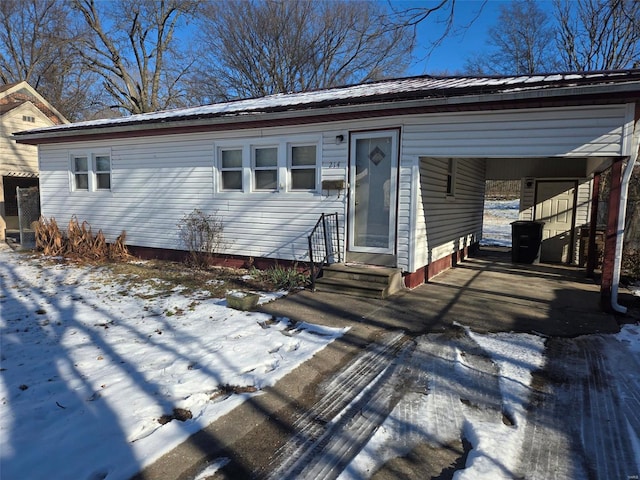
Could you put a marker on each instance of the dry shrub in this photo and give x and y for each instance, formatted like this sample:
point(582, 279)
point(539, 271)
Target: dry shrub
point(118, 249)
point(49, 239)
point(202, 236)
point(78, 241)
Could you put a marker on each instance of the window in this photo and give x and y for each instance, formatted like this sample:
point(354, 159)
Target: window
point(281, 164)
point(103, 172)
point(265, 168)
point(80, 173)
point(303, 167)
point(451, 177)
point(90, 172)
point(231, 169)
point(28, 118)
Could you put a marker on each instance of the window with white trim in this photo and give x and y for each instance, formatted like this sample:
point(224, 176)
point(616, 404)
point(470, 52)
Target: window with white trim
point(90, 172)
point(303, 167)
point(102, 168)
point(265, 168)
point(451, 177)
point(80, 166)
point(268, 164)
point(231, 171)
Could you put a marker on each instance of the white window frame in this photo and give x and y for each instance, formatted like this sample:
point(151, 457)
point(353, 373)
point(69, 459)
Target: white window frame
point(222, 169)
point(73, 173)
point(315, 167)
point(249, 146)
point(91, 172)
point(255, 168)
point(97, 172)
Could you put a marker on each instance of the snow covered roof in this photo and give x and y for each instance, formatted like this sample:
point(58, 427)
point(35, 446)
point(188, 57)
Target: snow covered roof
point(381, 92)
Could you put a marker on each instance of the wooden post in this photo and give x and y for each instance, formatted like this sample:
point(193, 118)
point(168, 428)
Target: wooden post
point(611, 236)
point(592, 253)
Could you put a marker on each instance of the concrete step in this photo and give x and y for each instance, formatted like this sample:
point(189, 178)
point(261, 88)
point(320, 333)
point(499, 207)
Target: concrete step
point(360, 280)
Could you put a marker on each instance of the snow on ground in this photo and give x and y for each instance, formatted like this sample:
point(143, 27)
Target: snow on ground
point(90, 365)
point(496, 227)
point(457, 399)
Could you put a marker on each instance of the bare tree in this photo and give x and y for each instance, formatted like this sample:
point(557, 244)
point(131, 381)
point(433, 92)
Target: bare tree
point(598, 34)
point(255, 48)
point(440, 14)
point(131, 45)
point(35, 47)
point(521, 42)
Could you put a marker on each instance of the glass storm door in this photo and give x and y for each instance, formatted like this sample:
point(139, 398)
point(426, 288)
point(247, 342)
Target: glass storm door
point(372, 199)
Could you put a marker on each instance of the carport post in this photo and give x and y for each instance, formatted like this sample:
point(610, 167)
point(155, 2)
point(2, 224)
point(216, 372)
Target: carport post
point(611, 235)
point(592, 254)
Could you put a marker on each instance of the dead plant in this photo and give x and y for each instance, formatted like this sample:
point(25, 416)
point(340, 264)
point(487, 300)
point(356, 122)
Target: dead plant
point(49, 238)
point(78, 242)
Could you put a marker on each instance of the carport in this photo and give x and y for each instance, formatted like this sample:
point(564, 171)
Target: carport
point(486, 292)
point(564, 196)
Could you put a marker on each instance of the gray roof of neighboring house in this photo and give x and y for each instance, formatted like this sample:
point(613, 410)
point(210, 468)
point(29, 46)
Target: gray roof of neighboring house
point(381, 92)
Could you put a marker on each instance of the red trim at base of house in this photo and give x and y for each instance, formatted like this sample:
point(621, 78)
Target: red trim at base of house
point(415, 279)
point(427, 272)
point(231, 261)
point(411, 280)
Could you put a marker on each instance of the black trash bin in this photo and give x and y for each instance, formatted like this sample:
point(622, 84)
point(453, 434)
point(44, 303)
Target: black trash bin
point(526, 238)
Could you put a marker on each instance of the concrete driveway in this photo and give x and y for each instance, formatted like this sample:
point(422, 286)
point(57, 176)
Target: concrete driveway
point(358, 380)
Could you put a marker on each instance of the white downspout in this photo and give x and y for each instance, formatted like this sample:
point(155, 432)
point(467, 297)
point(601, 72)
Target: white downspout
point(630, 146)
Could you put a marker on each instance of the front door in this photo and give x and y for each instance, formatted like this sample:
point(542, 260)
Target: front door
point(372, 196)
point(555, 202)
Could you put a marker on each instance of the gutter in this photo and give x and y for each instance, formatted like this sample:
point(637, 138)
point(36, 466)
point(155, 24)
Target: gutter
point(632, 148)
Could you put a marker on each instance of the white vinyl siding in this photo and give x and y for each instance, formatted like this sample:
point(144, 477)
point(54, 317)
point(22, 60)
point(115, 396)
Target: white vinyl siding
point(544, 132)
point(450, 224)
point(583, 212)
point(156, 180)
point(157, 183)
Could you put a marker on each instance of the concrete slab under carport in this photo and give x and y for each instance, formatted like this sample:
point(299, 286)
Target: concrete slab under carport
point(487, 293)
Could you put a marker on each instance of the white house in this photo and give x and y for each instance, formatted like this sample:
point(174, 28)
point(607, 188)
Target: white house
point(21, 108)
point(403, 162)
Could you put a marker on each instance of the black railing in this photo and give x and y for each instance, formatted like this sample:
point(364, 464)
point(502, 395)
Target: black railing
point(324, 245)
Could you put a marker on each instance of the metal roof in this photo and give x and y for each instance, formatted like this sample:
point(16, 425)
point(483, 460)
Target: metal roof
point(382, 92)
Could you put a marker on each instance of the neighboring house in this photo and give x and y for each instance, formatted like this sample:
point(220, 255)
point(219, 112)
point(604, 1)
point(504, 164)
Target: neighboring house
point(403, 162)
point(21, 108)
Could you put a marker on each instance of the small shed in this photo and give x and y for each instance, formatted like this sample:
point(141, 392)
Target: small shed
point(403, 162)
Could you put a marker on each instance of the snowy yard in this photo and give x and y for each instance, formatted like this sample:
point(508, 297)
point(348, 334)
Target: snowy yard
point(101, 377)
point(498, 215)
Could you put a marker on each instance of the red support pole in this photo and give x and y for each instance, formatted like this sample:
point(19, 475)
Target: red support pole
point(592, 253)
point(611, 235)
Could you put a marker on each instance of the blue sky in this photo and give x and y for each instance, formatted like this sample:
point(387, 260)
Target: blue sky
point(450, 57)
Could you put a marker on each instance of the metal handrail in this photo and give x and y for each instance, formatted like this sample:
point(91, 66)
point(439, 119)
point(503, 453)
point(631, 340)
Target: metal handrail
point(324, 245)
